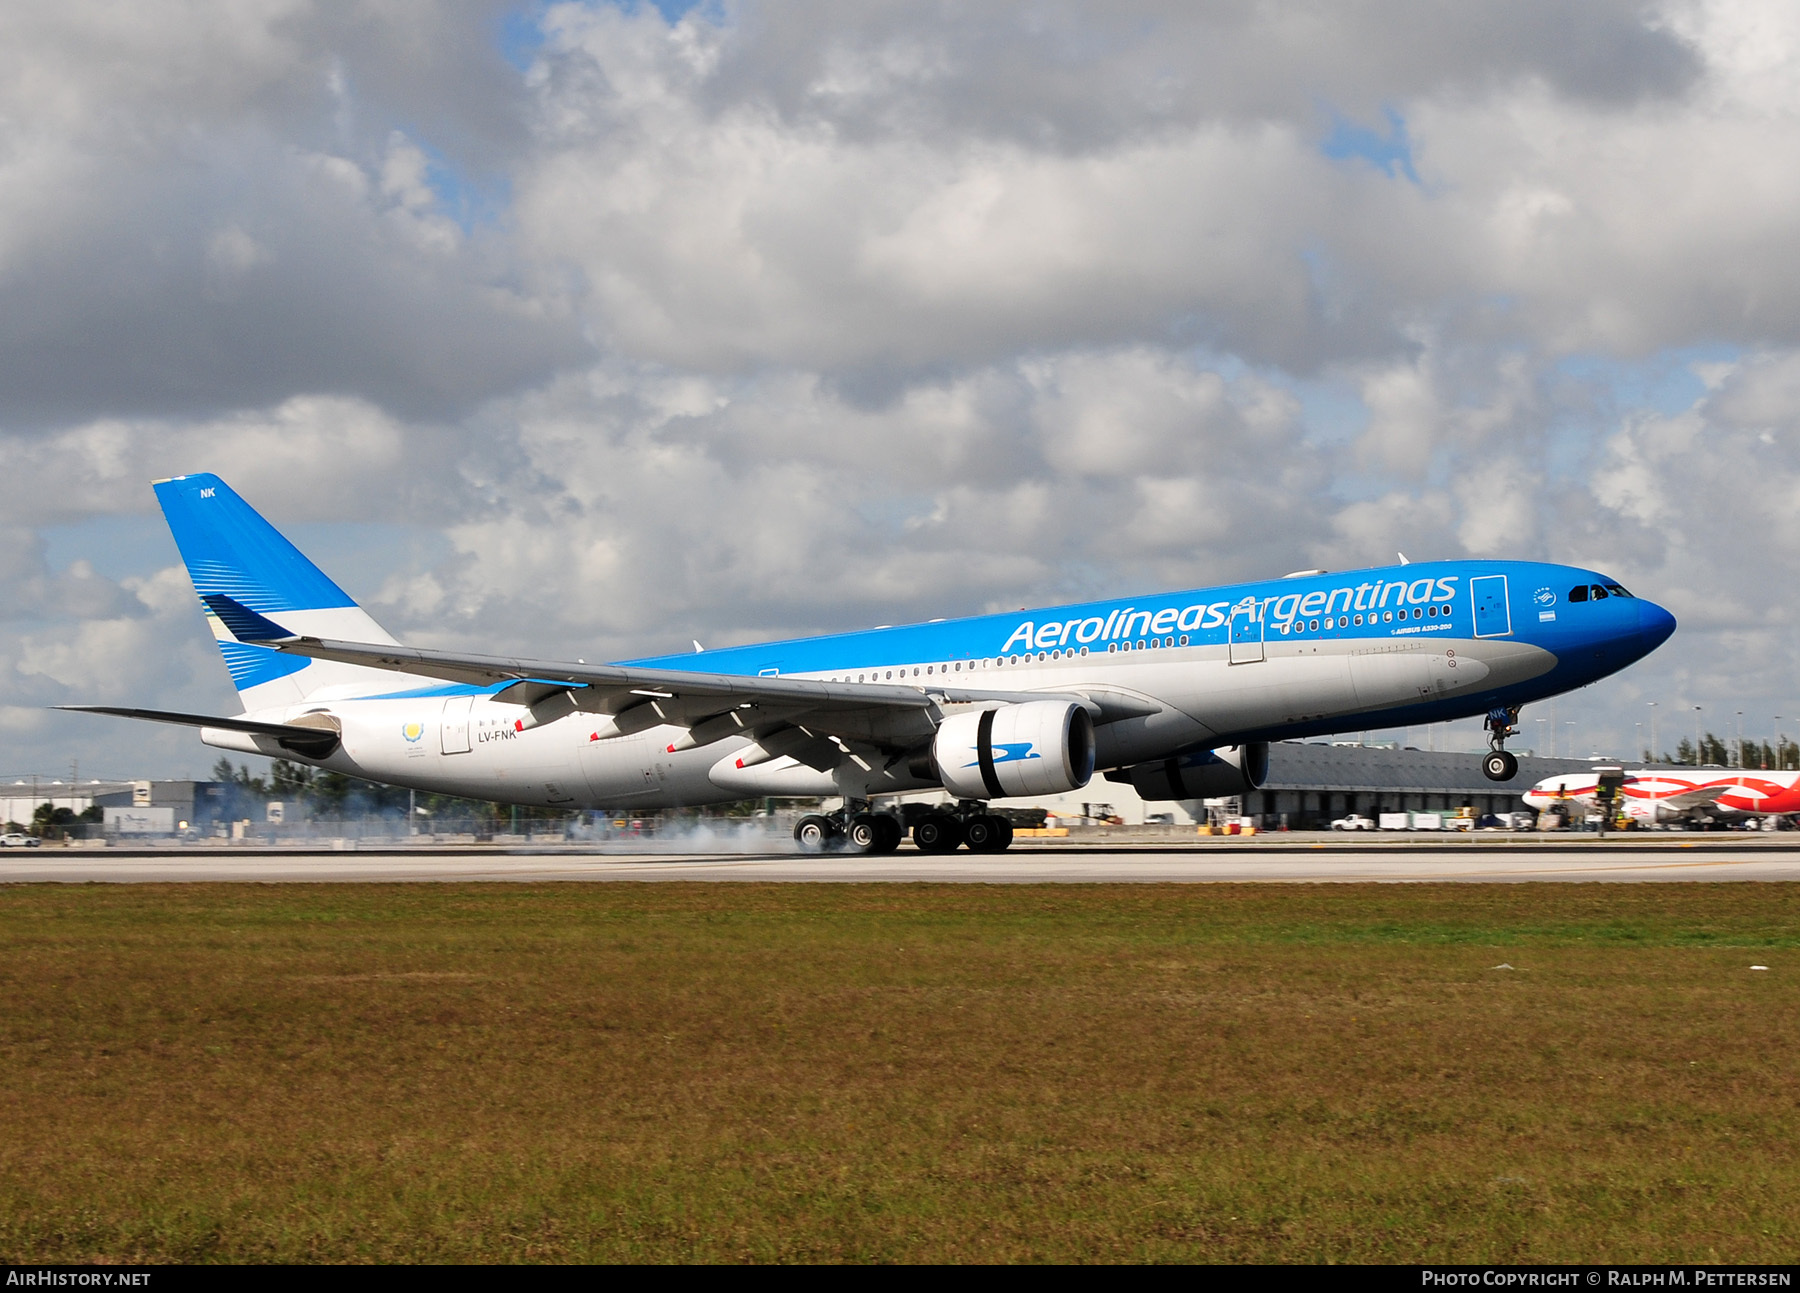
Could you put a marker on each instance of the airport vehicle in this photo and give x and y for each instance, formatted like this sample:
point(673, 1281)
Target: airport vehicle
point(1354, 822)
point(18, 840)
point(1653, 796)
point(1175, 693)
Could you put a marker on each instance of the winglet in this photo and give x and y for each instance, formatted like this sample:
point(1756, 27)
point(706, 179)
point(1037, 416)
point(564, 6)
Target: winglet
point(245, 624)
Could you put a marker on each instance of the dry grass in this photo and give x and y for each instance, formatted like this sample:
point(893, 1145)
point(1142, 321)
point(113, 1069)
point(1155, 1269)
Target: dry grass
point(802, 1072)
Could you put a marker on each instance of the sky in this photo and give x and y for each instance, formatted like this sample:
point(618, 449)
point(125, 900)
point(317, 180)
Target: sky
point(589, 330)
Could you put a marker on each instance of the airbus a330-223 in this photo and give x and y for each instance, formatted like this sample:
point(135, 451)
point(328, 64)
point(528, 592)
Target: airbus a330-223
point(1177, 694)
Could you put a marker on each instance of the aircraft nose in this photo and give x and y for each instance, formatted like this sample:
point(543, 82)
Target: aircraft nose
point(1654, 625)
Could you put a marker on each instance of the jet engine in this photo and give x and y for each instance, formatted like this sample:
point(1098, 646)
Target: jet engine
point(1042, 747)
point(1205, 774)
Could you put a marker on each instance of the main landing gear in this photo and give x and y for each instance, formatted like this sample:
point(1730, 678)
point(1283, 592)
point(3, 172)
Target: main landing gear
point(854, 829)
point(969, 824)
point(1500, 765)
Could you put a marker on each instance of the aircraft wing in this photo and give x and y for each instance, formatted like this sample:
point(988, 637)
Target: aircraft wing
point(681, 697)
point(1699, 797)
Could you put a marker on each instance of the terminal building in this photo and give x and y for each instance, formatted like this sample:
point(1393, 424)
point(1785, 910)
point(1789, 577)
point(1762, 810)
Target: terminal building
point(1310, 785)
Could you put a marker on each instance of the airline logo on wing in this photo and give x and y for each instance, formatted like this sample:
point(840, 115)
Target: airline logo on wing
point(1014, 753)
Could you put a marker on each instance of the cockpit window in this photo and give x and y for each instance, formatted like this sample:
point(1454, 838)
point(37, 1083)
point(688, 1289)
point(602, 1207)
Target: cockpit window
point(1617, 590)
point(1578, 593)
point(1597, 593)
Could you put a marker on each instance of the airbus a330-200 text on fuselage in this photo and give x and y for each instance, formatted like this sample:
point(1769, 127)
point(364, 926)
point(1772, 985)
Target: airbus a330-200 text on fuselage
point(1176, 693)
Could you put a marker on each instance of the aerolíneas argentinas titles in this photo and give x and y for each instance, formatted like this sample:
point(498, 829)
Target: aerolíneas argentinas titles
point(1176, 694)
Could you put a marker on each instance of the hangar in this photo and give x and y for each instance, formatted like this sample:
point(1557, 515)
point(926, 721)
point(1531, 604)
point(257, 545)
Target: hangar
point(1312, 783)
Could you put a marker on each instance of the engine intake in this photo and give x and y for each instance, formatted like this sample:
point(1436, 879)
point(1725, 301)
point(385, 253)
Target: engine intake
point(1037, 748)
point(1205, 774)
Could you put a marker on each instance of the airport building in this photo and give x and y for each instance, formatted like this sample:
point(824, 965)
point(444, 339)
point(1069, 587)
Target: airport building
point(133, 807)
point(1311, 784)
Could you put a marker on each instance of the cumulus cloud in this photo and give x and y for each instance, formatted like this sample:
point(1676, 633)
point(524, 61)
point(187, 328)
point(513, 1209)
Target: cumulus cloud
point(782, 318)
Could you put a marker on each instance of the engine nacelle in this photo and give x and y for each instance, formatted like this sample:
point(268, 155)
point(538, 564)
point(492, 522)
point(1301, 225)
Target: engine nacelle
point(1206, 774)
point(1042, 747)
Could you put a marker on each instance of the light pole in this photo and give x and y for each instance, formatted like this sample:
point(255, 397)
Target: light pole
point(1780, 744)
point(1740, 738)
point(1570, 723)
point(1654, 756)
point(1696, 736)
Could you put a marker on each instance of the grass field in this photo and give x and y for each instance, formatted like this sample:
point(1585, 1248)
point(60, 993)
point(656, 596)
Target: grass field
point(813, 1072)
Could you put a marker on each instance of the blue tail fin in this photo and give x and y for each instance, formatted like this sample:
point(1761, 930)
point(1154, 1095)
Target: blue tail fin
point(231, 551)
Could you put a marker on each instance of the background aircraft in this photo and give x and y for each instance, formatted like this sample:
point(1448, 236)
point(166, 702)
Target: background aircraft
point(1652, 795)
point(1176, 693)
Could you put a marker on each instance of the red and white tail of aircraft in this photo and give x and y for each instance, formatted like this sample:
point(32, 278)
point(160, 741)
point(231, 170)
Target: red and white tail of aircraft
point(1667, 794)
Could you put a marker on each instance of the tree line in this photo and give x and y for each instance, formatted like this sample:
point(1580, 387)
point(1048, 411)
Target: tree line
point(1716, 751)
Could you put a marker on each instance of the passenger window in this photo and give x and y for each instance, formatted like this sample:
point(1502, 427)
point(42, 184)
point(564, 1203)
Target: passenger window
point(1597, 593)
point(1578, 593)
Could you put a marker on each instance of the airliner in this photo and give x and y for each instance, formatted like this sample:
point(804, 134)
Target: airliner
point(1177, 694)
point(1652, 795)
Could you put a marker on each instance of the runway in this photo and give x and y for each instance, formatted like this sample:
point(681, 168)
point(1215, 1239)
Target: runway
point(1470, 861)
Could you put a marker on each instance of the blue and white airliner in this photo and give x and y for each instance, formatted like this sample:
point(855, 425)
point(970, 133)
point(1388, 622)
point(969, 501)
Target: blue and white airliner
point(1177, 694)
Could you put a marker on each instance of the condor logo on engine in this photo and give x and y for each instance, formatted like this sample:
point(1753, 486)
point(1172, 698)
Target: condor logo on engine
point(1008, 754)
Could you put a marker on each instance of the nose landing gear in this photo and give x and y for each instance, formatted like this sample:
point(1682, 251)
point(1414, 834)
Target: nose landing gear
point(1500, 764)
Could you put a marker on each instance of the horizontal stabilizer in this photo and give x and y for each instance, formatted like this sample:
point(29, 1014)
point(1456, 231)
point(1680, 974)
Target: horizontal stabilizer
point(315, 742)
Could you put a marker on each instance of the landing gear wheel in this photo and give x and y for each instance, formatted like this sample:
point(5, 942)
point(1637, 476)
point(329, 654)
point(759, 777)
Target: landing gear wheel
point(865, 834)
point(982, 834)
point(889, 833)
point(938, 834)
point(988, 833)
point(815, 834)
point(1500, 765)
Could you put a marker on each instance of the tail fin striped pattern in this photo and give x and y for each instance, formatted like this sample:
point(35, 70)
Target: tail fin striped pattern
point(230, 549)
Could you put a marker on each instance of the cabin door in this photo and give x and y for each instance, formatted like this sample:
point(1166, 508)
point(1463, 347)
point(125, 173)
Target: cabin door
point(1493, 618)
